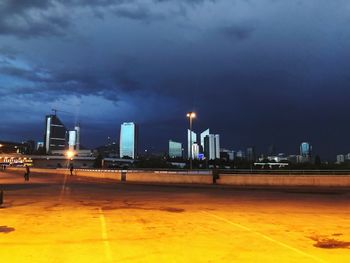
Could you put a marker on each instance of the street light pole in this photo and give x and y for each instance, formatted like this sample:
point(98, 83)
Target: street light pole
point(191, 115)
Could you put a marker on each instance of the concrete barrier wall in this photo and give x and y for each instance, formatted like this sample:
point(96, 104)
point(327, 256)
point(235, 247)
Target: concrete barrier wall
point(103, 174)
point(131, 176)
point(178, 178)
point(283, 180)
point(39, 171)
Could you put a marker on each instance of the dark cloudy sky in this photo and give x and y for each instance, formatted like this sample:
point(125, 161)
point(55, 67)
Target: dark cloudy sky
point(258, 72)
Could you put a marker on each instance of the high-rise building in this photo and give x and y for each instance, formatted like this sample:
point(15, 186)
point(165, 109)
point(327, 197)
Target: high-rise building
point(77, 142)
point(229, 155)
point(209, 146)
point(55, 134)
point(195, 150)
point(128, 140)
point(30, 146)
point(271, 150)
point(217, 146)
point(212, 146)
point(175, 149)
point(340, 158)
point(74, 139)
point(347, 157)
point(203, 134)
point(39, 145)
point(194, 140)
point(305, 151)
point(240, 154)
point(251, 154)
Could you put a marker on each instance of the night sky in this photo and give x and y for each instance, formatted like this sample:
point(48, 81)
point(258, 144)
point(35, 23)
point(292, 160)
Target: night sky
point(258, 72)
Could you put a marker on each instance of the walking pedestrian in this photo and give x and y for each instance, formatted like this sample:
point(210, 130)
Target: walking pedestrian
point(27, 173)
point(71, 169)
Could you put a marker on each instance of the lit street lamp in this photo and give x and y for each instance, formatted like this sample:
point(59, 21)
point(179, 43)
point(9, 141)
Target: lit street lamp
point(70, 154)
point(191, 115)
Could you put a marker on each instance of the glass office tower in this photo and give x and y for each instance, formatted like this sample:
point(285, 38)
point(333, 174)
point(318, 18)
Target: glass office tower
point(305, 152)
point(72, 140)
point(128, 140)
point(212, 146)
point(305, 149)
point(194, 140)
point(203, 135)
point(175, 149)
point(217, 146)
point(55, 134)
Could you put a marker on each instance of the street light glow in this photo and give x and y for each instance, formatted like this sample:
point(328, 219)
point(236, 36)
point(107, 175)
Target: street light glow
point(70, 154)
point(191, 115)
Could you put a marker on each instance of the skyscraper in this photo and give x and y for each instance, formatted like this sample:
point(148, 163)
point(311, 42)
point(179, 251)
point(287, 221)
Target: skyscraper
point(194, 140)
point(55, 134)
point(217, 146)
point(212, 146)
point(251, 154)
point(271, 150)
point(77, 129)
point(305, 152)
point(74, 139)
point(203, 134)
point(175, 149)
point(195, 150)
point(128, 140)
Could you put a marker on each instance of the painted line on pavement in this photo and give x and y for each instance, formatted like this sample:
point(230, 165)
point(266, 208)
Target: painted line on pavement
point(63, 186)
point(104, 234)
point(298, 251)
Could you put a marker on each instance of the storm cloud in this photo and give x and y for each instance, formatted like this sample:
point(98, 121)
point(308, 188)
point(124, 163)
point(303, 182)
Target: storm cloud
point(258, 72)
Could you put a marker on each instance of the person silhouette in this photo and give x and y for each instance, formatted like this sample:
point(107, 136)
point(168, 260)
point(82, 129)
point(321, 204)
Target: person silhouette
point(27, 173)
point(71, 169)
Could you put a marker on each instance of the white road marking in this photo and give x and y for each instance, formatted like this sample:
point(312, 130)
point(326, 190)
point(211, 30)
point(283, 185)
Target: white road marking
point(63, 186)
point(104, 234)
point(265, 237)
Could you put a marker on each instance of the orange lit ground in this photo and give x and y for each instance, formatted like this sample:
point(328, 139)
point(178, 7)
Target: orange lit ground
point(86, 221)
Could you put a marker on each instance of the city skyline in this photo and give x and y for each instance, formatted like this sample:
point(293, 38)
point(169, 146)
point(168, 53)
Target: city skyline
point(59, 140)
point(258, 72)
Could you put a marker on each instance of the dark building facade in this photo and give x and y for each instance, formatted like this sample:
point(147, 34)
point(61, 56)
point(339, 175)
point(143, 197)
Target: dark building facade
point(55, 134)
point(14, 147)
point(251, 154)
